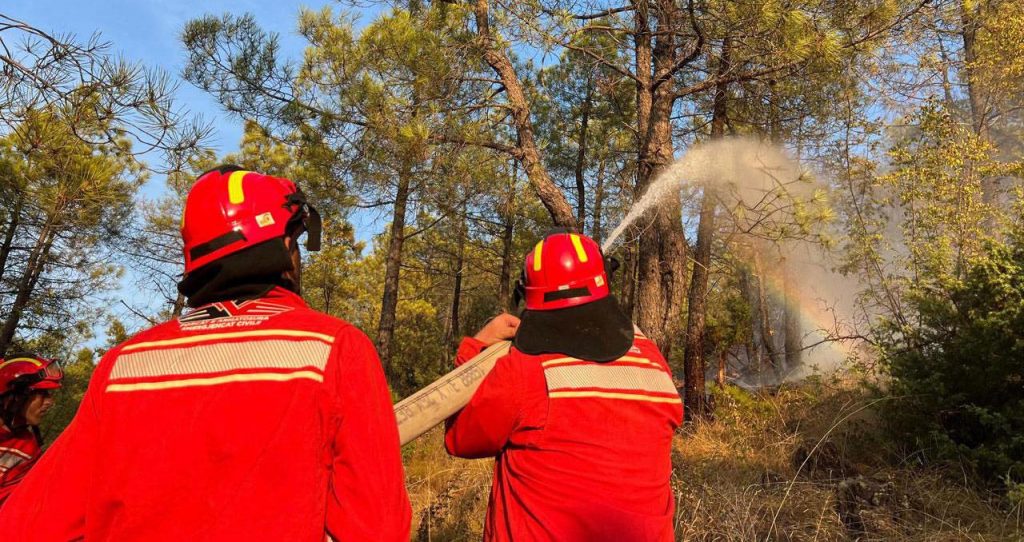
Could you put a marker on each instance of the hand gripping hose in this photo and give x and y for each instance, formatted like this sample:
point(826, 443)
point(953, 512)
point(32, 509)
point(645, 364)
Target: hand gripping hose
point(430, 406)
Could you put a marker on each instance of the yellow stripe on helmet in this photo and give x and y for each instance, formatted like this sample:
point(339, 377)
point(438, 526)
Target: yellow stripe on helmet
point(236, 194)
point(537, 250)
point(580, 253)
point(35, 362)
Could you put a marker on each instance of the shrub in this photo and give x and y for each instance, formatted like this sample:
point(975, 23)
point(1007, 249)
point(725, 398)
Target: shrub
point(959, 372)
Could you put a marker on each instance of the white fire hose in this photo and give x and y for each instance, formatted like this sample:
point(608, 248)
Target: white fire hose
point(430, 406)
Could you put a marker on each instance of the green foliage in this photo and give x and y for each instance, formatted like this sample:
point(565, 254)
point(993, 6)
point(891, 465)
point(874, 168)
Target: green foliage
point(728, 319)
point(739, 405)
point(937, 182)
point(958, 373)
point(66, 204)
point(67, 399)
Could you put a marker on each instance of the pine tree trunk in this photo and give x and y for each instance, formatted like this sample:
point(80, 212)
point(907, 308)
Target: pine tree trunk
point(661, 262)
point(754, 348)
point(581, 159)
point(508, 215)
point(627, 288)
point(26, 284)
point(460, 259)
point(694, 364)
point(721, 369)
point(393, 264)
point(595, 230)
point(179, 306)
point(10, 233)
point(791, 322)
point(662, 255)
point(528, 152)
point(693, 355)
point(764, 314)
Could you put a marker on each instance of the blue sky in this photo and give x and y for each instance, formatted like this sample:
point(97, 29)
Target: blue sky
point(148, 31)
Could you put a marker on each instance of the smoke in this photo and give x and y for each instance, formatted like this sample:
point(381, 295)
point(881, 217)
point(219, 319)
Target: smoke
point(774, 217)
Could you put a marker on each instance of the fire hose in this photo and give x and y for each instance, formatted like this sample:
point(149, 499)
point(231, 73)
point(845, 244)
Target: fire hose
point(430, 406)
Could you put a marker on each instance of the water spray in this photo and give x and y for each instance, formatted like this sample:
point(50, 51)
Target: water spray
point(740, 169)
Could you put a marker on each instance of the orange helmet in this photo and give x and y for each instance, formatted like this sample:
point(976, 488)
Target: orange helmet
point(230, 209)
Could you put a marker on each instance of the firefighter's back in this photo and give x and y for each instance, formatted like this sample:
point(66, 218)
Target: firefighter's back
point(250, 418)
point(217, 426)
point(597, 465)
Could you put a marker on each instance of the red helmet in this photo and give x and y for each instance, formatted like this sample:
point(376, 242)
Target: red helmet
point(29, 371)
point(564, 270)
point(569, 310)
point(229, 209)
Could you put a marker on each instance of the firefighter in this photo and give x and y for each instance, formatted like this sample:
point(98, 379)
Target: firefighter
point(579, 414)
point(26, 381)
point(251, 417)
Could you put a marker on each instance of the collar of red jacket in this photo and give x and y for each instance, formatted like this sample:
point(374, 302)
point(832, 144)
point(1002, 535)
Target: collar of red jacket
point(20, 439)
point(283, 295)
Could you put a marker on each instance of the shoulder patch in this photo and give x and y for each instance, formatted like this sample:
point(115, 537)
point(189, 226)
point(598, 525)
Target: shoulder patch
point(231, 314)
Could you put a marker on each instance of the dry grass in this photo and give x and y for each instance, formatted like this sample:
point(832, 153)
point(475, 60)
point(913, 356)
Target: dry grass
point(802, 463)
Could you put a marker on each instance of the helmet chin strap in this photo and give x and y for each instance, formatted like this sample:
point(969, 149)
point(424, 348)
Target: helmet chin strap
point(310, 219)
point(519, 293)
point(314, 227)
point(611, 265)
point(292, 281)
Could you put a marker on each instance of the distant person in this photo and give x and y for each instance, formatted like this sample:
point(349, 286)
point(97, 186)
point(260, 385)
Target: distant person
point(252, 417)
point(26, 381)
point(580, 413)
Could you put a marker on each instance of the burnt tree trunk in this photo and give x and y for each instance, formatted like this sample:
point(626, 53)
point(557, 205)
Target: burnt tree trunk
point(694, 364)
point(693, 355)
point(392, 266)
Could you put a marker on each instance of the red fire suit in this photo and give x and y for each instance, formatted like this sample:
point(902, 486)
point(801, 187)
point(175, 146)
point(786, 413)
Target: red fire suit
point(255, 420)
point(18, 452)
point(583, 448)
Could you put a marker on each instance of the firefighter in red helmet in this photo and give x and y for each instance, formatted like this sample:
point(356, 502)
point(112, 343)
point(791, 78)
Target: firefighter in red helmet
point(26, 381)
point(251, 417)
point(580, 414)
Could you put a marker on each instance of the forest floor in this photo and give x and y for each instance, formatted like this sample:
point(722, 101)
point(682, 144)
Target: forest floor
point(803, 462)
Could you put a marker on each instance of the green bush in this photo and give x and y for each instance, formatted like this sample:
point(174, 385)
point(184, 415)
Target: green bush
point(959, 369)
